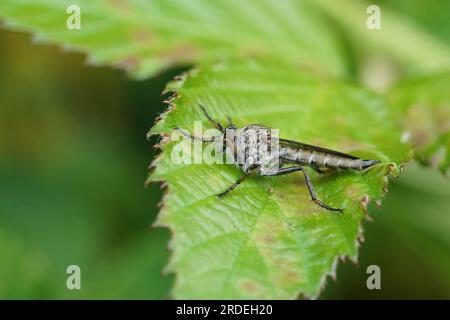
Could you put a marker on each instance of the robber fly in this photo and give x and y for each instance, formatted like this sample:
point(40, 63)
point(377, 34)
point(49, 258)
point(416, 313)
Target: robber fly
point(256, 151)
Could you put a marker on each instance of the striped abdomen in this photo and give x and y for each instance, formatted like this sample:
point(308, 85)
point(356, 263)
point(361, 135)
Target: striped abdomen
point(324, 159)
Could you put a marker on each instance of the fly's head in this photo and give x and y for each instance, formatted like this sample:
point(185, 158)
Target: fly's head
point(230, 133)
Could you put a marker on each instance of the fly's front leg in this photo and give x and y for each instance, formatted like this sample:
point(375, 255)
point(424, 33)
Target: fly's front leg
point(238, 182)
point(193, 138)
point(283, 171)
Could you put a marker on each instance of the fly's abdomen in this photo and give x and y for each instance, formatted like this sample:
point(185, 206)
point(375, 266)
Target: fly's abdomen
point(333, 161)
point(324, 159)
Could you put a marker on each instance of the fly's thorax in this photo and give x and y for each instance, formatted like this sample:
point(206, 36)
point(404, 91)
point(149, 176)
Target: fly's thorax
point(252, 145)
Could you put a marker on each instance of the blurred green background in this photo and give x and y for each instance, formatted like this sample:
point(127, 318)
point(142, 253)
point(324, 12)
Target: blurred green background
point(73, 161)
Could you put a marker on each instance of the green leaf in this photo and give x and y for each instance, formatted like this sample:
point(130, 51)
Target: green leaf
point(145, 37)
point(400, 37)
point(260, 244)
point(428, 229)
point(422, 107)
point(22, 271)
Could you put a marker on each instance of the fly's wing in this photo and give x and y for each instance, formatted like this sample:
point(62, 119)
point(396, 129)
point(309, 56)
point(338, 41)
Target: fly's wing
point(304, 146)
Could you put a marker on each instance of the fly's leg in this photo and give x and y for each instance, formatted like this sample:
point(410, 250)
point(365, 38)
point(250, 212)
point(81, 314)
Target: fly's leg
point(187, 134)
point(234, 185)
point(314, 197)
point(318, 170)
point(322, 170)
point(238, 182)
point(288, 170)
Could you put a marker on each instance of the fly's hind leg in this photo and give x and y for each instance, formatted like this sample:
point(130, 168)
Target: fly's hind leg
point(318, 170)
point(314, 198)
point(322, 170)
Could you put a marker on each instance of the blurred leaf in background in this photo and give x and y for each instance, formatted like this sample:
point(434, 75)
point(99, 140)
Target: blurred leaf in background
point(411, 45)
point(408, 239)
point(146, 37)
point(73, 162)
point(422, 107)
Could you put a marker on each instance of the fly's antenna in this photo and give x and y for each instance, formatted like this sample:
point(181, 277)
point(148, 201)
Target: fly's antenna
point(213, 122)
point(230, 122)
